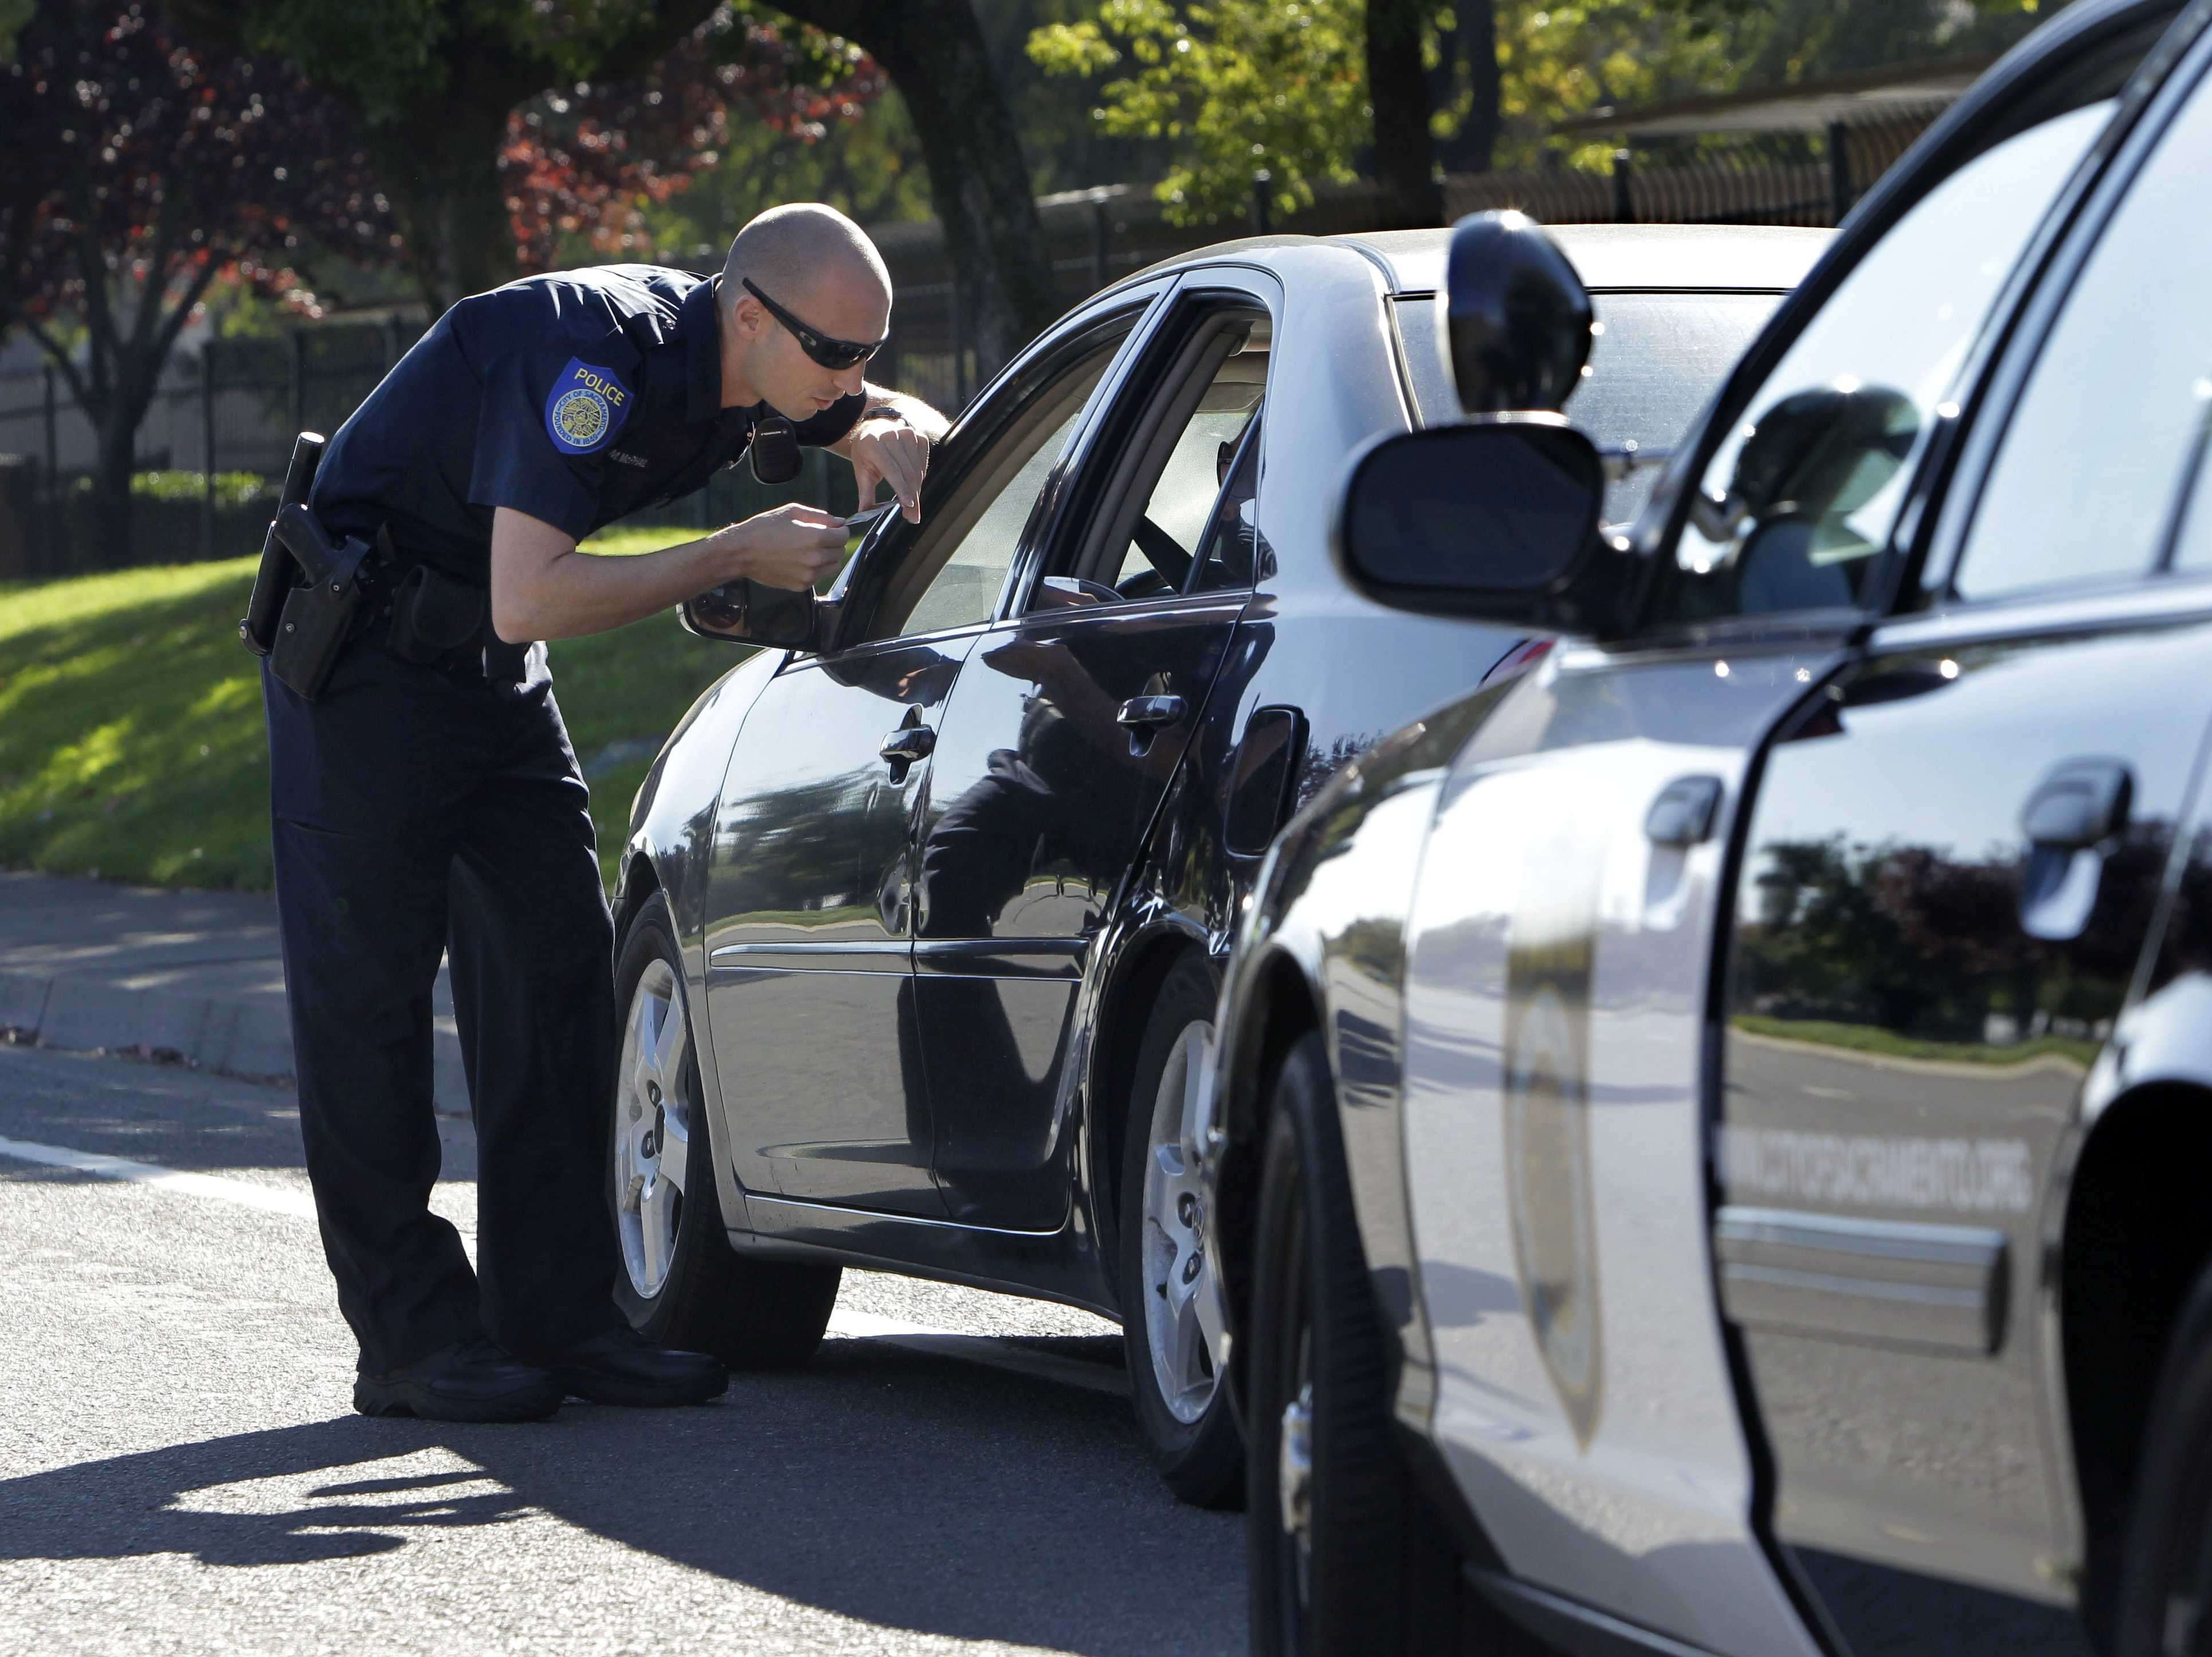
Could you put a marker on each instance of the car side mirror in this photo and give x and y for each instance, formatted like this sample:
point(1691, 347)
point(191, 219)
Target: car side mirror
point(1496, 520)
point(1515, 318)
point(749, 612)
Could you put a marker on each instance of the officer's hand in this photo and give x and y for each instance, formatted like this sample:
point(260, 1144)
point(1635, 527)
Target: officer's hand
point(792, 547)
point(893, 452)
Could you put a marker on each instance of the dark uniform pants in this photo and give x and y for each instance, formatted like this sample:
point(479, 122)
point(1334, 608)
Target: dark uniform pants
point(419, 811)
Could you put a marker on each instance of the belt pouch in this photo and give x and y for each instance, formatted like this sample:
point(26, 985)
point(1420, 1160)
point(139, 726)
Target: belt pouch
point(433, 616)
point(317, 619)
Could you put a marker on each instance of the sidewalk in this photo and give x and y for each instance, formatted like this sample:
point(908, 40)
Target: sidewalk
point(85, 964)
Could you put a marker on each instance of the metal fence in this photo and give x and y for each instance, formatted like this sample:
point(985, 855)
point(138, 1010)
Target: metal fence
point(233, 409)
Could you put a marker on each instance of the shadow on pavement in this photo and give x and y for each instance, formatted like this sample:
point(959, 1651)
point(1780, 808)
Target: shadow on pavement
point(894, 1487)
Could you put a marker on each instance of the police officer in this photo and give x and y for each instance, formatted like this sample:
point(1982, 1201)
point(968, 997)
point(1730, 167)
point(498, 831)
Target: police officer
point(427, 800)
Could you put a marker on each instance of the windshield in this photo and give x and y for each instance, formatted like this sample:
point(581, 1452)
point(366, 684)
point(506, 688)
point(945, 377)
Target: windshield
point(1659, 357)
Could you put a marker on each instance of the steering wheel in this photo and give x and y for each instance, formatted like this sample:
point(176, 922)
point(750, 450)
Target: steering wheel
point(1145, 584)
point(1099, 589)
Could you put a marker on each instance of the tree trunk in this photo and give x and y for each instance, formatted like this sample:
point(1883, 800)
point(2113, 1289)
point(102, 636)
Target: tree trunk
point(1398, 91)
point(1473, 147)
point(112, 505)
point(934, 52)
point(447, 198)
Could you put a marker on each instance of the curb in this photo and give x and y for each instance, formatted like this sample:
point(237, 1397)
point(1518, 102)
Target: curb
point(248, 1040)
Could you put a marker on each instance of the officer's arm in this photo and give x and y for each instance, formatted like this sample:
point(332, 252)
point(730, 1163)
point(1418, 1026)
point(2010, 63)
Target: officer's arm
point(544, 587)
point(890, 442)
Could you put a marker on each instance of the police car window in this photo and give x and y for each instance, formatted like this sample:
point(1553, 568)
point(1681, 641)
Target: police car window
point(1872, 364)
point(1650, 371)
point(963, 558)
point(2095, 457)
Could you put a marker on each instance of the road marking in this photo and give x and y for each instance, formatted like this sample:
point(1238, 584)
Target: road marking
point(849, 1323)
point(270, 1199)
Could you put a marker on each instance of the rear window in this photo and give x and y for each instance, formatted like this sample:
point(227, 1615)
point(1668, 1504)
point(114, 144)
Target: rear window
point(1659, 357)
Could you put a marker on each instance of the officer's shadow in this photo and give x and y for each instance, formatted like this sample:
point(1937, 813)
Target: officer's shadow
point(878, 1483)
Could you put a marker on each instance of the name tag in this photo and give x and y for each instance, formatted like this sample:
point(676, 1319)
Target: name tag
point(586, 408)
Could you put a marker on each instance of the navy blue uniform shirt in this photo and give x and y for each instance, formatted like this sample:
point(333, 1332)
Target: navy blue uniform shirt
point(576, 397)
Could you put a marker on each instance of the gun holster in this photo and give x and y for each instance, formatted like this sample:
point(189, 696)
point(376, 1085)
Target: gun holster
point(318, 614)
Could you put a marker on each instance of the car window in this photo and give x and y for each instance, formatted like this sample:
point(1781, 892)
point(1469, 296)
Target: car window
point(1784, 521)
point(2093, 461)
point(1650, 371)
point(1162, 551)
point(956, 564)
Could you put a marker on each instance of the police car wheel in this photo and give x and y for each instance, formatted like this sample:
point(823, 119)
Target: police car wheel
point(679, 1281)
point(1172, 1315)
point(1343, 1554)
point(2165, 1579)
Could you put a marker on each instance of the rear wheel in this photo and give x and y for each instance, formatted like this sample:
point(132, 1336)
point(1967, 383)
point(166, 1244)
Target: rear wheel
point(1343, 1554)
point(1171, 1319)
point(681, 1284)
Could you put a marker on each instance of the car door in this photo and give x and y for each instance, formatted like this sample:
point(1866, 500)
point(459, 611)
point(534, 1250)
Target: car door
point(1561, 946)
point(1953, 865)
point(810, 995)
point(1067, 722)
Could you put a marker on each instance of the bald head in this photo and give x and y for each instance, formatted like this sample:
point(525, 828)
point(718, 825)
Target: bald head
point(805, 248)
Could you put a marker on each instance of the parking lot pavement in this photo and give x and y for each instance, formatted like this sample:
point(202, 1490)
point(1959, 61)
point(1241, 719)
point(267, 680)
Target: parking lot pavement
point(179, 1469)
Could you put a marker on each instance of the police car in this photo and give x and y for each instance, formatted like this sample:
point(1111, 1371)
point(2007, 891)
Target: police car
point(1710, 1155)
point(924, 907)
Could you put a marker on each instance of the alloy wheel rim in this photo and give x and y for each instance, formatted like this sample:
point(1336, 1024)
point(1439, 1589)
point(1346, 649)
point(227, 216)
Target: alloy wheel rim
point(652, 1130)
point(1182, 1293)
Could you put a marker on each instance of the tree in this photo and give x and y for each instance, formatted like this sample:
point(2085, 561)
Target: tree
point(1247, 92)
point(435, 83)
point(140, 170)
point(979, 182)
point(1398, 99)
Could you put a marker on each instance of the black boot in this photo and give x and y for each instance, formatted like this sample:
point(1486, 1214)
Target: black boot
point(469, 1380)
point(621, 1366)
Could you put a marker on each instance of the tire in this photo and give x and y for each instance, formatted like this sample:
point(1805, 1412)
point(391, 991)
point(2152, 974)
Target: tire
point(679, 1281)
point(1356, 1562)
point(1171, 1313)
point(2166, 1576)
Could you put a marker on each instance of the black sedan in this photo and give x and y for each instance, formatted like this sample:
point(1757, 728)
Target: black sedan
point(923, 910)
point(1712, 1153)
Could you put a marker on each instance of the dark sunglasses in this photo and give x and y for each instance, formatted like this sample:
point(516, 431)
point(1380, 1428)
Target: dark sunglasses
point(829, 353)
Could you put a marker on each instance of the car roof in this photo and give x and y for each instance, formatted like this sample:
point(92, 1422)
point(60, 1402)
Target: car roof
point(1768, 259)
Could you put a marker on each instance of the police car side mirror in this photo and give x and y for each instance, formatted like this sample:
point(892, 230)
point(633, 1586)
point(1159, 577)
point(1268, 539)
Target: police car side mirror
point(1496, 520)
point(749, 612)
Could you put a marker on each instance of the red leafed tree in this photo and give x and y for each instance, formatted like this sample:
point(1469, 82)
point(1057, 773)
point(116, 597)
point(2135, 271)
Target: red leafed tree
point(582, 163)
point(139, 169)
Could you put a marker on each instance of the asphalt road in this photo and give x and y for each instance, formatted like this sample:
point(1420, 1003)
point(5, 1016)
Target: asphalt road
point(180, 1469)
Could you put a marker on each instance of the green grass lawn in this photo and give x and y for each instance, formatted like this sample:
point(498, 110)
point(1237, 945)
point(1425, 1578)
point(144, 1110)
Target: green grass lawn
point(131, 744)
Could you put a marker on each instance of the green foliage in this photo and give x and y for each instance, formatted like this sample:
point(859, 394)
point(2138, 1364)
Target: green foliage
point(234, 491)
point(1561, 58)
point(14, 14)
point(1239, 88)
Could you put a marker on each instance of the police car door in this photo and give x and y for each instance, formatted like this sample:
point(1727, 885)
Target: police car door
point(1952, 867)
point(810, 993)
point(1558, 980)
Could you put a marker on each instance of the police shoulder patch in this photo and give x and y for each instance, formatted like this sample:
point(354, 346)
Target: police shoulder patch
point(586, 408)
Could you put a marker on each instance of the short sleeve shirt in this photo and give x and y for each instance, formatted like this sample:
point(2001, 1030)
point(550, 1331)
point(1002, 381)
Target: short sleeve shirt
point(577, 397)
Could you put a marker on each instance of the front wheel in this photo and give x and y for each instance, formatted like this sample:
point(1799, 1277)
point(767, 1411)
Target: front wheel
point(2165, 1582)
point(681, 1284)
point(1171, 1313)
point(1342, 1554)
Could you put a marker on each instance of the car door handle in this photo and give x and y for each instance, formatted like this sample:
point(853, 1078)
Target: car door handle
point(1150, 712)
point(1683, 814)
point(908, 743)
point(2081, 803)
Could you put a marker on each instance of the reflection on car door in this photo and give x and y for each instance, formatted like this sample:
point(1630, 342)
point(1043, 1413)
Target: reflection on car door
point(808, 992)
point(1063, 729)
